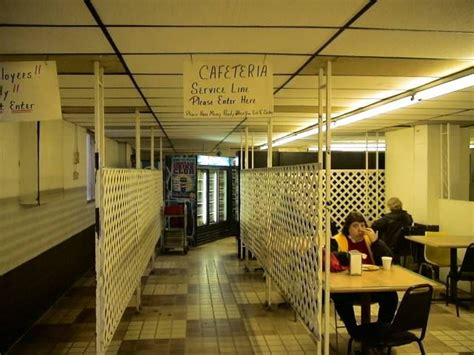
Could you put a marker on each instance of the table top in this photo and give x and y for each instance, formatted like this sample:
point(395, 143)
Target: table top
point(447, 241)
point(395, 279)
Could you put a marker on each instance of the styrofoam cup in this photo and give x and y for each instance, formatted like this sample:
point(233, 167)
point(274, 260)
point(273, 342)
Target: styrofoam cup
point(386, 262)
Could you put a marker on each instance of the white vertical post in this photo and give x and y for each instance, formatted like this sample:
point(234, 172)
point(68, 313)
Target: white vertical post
point(152, 148)
point(246, 147)
point(320, 237)
point(138, 158)
point(366, 202)
point(448, 157)
point(328, 206)
point(253, 154)
point(241, 151)
point(161, 154)
point(377, 165)
point(243, 250)
point(246, 166)
point(270, 143)
point(268, 279)
point(99, 164)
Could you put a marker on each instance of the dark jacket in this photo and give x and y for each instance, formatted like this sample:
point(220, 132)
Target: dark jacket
point(390, 228)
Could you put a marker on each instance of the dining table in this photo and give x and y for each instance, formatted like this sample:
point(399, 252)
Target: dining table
point(397, 278)
point(453, 242)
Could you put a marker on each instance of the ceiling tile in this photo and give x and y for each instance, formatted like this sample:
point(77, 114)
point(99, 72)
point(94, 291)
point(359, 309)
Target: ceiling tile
point(52, 40)
point(379, 43)
point(50, 12)
point(219, 40)
point(435, 15)
point(229, 12)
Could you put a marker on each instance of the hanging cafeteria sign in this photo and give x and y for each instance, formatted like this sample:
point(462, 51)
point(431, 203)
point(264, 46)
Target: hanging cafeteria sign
point(29, 91)
point(228, 89)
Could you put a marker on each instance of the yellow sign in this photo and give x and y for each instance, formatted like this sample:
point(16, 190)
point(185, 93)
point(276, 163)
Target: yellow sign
point(228, 89)
point(29, 91)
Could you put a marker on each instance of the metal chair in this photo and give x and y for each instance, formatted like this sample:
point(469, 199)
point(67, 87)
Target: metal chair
point(435, 257)
point(412, 314)
point(465, 273)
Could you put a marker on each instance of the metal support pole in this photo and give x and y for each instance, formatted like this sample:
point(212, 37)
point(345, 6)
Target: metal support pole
point(321, 239)
point(241, 151)
point(270, 143)
point(152, 148)
point(246, 166)
point(161, 154)
point(138, 158)
point(377, 165)
point(366, 202)
point(99, 164)
point(268, 279)
point(253, 154)
point(328, 206)
point(246, 147)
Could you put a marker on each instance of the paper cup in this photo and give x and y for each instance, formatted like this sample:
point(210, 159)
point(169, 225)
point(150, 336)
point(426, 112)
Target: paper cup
point(386, 262)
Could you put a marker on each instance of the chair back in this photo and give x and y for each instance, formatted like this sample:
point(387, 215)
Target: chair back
point(414, 310)
point(437, 256)
point(467, 265)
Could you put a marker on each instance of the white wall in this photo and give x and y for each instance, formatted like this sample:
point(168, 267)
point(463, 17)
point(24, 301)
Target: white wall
point(413, 168)
point(399, 166)
point(9, 158)
point(457, 218)
point(26, 232)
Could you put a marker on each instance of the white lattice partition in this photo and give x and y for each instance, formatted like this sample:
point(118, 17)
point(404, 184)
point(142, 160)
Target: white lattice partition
point(279, 225)
point(129, 230)
point(357, 190)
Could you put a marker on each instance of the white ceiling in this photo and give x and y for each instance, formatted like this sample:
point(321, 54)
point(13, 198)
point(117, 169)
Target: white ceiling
point(391, 47)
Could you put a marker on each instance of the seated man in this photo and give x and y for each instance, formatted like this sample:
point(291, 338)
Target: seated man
point(390, 226)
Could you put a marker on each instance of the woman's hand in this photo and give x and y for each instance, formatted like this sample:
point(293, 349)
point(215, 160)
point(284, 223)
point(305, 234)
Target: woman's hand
point(371, 234)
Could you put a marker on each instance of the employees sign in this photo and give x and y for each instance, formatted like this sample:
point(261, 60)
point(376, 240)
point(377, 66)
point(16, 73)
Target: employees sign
point(29, 91)
point(227, 89)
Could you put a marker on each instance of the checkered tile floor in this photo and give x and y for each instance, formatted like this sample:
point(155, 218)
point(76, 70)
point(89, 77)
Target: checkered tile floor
point(205, 303)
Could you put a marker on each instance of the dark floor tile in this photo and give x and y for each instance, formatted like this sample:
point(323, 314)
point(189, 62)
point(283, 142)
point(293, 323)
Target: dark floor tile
point(81, 291)
point(127, 345)
point(87, 315)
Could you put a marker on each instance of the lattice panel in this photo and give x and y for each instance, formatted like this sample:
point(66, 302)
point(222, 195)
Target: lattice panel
point(356, 190)
point(129, 230)
point(279, 218)
point(279, 225)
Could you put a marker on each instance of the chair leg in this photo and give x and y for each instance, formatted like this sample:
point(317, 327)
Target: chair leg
point(335, 327)
point(455, 294)
point(349, 347)
point(422, 349)
point(447, 289)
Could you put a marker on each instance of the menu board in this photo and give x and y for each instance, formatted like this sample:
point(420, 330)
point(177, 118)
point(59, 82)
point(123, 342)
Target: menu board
point(227, 89)
point(29, 91)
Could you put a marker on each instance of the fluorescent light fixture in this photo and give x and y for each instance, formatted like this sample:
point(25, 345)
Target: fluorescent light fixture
point(446, 88)
point(353, 147)
point(406, 101)
point(412, 97)
point(294, 137)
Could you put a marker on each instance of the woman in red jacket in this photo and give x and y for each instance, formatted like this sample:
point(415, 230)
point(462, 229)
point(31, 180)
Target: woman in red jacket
point(355, 235)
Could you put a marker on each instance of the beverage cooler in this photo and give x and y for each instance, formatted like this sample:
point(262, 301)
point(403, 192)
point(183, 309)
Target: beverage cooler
point(215, 205)
point(208, 185)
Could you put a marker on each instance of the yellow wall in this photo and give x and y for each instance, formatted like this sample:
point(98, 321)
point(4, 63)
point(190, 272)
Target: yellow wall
point(27, 231)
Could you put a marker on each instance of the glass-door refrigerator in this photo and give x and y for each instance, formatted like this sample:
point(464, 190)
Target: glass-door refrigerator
point(214, 198)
